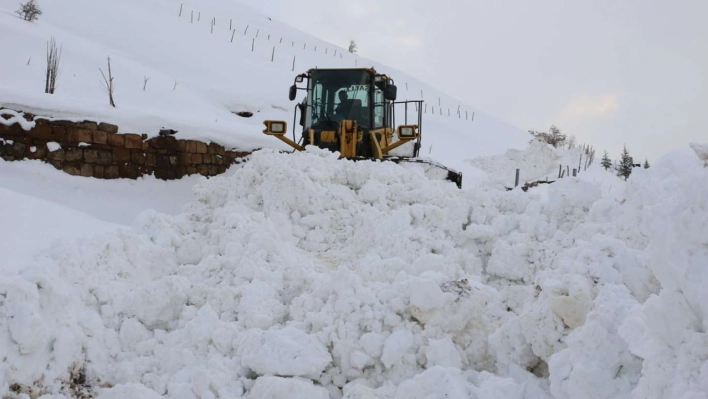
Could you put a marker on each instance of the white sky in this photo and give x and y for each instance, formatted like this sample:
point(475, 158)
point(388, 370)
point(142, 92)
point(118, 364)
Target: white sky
point(612, 72)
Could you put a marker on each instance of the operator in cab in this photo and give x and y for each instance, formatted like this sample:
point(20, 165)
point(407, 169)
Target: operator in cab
point(345, 104)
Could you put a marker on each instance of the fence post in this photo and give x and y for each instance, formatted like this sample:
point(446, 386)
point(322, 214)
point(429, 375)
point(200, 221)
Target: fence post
point(258, 31)
point(233, 32)
point(580, 162)
point(191, 19)
point(567, 170)
point(293, 63)
point(574, 172)
point(199, 17)
point(560, 169)
point(272, 56)
point(253, 43)
point(231, 22)
point(180, 9)
point(516, 183)
point(244, 32)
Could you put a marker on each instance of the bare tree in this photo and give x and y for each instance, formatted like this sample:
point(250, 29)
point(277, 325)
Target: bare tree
point(29, 11)
point(352, 46)
point(110, 87)
point(52, 72)
point(145, 82)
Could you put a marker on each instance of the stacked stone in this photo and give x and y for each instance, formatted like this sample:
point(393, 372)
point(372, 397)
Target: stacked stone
point(97, 150)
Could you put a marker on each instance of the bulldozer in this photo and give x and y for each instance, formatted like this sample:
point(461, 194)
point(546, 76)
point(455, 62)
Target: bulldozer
point(353, 111)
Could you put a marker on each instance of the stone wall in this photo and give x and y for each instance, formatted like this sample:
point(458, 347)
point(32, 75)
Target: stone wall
point(97, 150)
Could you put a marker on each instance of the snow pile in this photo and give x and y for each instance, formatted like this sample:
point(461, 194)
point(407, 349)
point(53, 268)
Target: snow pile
point(303, 276)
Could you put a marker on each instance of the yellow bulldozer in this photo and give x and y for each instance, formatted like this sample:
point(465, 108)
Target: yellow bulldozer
point(353, 111)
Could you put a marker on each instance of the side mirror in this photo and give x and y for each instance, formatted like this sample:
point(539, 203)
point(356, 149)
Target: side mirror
point(302, 108)
point(293, 92)
point(390, 92)
point(299, 78)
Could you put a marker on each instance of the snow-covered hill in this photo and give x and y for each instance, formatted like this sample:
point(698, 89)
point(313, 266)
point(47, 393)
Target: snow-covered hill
point(198, 78)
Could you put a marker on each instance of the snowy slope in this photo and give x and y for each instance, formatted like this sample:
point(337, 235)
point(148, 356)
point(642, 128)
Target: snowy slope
point(301, 276)
point(214, 76)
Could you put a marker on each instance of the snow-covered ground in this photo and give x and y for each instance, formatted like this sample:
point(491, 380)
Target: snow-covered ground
point(303, 276)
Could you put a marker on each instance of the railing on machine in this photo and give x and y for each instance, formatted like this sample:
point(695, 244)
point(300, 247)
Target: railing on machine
point(419, 110)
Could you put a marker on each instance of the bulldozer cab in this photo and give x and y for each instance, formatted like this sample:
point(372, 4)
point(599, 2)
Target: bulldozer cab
point(345, 94)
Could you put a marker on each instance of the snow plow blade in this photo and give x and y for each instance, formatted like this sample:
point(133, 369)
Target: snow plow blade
point(433, 169)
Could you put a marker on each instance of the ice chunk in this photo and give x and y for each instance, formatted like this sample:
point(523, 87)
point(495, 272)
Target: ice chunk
point(284, 352)
point(396, 345)
point(290, 388)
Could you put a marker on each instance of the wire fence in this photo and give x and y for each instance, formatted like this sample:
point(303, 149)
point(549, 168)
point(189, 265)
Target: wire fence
point(274, 48)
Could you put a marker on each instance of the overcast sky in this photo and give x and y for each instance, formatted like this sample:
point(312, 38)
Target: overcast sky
point(612, 72)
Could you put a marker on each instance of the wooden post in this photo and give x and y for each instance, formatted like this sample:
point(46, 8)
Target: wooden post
point(180, 9)
point(233, 32)
point(567, 169)
point(516, 183)
point(272, 56)
point(268, 36)
point(574, 172)
point(253, 43)
point(199, 17)
point(580, 162)
point(560, 170)
point(244, 32)
point(191, 19)
point(293, 63)
point(231, 22)
point(257, 32)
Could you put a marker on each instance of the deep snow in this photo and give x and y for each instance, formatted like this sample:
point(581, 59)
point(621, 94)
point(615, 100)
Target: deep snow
point(302, 276)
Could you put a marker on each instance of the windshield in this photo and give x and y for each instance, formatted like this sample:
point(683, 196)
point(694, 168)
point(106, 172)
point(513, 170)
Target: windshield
point(338, 95)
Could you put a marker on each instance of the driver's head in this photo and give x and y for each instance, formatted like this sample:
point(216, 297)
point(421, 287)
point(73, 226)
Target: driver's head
point(343, 96)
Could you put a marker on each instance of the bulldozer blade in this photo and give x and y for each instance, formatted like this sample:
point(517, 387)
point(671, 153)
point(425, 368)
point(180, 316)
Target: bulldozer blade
point(445, 172)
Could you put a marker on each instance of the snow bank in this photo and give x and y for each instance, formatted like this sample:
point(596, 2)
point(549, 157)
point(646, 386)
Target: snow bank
point(305, 276)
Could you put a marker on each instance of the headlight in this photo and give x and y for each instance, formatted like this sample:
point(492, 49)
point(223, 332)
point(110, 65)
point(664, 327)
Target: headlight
point(277, 127)
point(406, 131)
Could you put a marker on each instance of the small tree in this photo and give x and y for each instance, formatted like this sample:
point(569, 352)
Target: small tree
point(554, 136)
point(352, 46)
point(646, 163)
point(570, 142)
point(624, 169)
point(29, 11)
point(110, 87)
point(606, 162)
